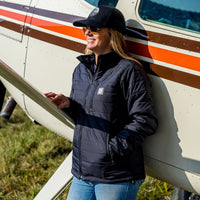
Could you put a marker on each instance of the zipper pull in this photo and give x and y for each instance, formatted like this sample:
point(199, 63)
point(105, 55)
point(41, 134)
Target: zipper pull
point(91, 81)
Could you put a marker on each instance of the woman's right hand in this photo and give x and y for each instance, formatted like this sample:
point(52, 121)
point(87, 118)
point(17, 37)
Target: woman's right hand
point(60, 100)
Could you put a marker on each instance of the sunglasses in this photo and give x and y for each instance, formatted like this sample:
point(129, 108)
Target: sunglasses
point(93, 29)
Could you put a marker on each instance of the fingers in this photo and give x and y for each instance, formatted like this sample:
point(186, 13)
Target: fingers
point(60, 100)
point(50, 95)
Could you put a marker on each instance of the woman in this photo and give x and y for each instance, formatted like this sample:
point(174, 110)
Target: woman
point(111, 105)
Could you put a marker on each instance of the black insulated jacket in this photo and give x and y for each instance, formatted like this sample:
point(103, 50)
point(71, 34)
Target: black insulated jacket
point(113, 113)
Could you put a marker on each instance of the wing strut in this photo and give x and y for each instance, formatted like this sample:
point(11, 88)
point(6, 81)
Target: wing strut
point(12, 77)
point(58, 182)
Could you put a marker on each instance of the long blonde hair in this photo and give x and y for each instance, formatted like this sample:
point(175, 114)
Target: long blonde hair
point(118, 45)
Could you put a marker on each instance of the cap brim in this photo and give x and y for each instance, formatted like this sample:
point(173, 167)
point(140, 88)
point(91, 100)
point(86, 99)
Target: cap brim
point(86, 22)
point(80, 23)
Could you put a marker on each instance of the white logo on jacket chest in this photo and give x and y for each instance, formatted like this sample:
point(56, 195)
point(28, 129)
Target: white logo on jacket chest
point(100, 91)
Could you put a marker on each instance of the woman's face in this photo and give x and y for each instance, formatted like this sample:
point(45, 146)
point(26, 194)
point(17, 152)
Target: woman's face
point(99, 41)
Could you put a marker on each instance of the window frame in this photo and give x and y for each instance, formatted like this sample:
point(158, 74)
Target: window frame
point(98, 3)
point(166, 27)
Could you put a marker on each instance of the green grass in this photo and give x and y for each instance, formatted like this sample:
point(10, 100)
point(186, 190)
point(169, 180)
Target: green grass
point(153, 189)
point(30, 154)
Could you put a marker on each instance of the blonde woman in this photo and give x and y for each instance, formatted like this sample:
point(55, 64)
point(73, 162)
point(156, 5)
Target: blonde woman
point(111, 105)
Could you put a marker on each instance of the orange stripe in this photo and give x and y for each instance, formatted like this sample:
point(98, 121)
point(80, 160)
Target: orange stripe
point(167, 56)
point(55, 27)
point(163, 55)
point(59, 28)
point(12, 15)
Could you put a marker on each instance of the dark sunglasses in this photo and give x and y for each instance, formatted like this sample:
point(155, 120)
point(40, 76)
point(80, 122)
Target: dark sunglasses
point(93, 29)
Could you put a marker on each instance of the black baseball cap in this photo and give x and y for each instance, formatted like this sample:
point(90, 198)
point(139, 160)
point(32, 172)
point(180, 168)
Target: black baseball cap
point(104, 17)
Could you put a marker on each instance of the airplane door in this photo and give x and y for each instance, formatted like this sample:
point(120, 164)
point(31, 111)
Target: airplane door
point(14, 16)
point(50, 60)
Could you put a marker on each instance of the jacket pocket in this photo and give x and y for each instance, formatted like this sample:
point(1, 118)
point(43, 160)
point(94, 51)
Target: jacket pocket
point(109, 152)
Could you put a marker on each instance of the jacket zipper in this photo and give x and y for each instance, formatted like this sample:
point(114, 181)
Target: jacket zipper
point(79, 145)
point(91, 82)
point(80, 134)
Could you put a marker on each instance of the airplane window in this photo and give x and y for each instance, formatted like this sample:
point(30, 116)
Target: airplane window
point(103, 2)
point(182, 14)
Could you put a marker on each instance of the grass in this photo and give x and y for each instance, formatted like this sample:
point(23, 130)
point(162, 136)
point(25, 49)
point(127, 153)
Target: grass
point(30, 154)
point(153, 189)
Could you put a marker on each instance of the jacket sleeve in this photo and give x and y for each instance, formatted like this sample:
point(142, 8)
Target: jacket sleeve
point(72, 110)
point(141, 119)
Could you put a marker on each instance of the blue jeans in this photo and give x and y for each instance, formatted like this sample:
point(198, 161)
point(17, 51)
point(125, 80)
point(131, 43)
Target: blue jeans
point(82, 190)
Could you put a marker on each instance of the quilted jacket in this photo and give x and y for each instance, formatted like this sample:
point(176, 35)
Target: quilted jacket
point(113, 113)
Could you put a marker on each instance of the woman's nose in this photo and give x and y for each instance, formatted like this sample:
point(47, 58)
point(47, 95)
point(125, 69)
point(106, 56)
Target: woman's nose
point(88, 32)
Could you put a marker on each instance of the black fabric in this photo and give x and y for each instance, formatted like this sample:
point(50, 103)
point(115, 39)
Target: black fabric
point(2, 94)
point(104, 16)
point(113, 113)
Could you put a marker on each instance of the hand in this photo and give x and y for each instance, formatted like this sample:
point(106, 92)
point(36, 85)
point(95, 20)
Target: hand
point(60, 100)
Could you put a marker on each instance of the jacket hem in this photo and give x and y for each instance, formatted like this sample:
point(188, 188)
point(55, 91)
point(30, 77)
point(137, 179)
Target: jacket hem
point(109, 181)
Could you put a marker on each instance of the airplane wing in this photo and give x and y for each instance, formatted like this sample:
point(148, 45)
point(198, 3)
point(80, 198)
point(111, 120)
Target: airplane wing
point(12, 77)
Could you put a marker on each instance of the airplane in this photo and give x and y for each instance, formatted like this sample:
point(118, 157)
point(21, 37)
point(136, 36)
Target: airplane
point(39, 46)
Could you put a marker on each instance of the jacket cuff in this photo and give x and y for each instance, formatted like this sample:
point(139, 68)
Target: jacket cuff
point(70, 110)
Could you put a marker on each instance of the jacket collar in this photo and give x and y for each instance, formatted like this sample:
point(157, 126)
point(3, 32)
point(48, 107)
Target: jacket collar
point(105, 61)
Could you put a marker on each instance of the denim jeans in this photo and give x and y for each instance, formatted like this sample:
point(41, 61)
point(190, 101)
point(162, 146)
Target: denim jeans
point(82, 190)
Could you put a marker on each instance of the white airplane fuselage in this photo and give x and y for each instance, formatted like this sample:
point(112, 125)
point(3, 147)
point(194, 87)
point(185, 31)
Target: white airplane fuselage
point(39, 42)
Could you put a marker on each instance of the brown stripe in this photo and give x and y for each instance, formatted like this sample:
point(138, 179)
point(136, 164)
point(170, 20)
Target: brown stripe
point(172, 74)
point(12, 26)
point(172, 41)
point(164, 39)
point(59, 41)
point(157, 70)
point(159, 38)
